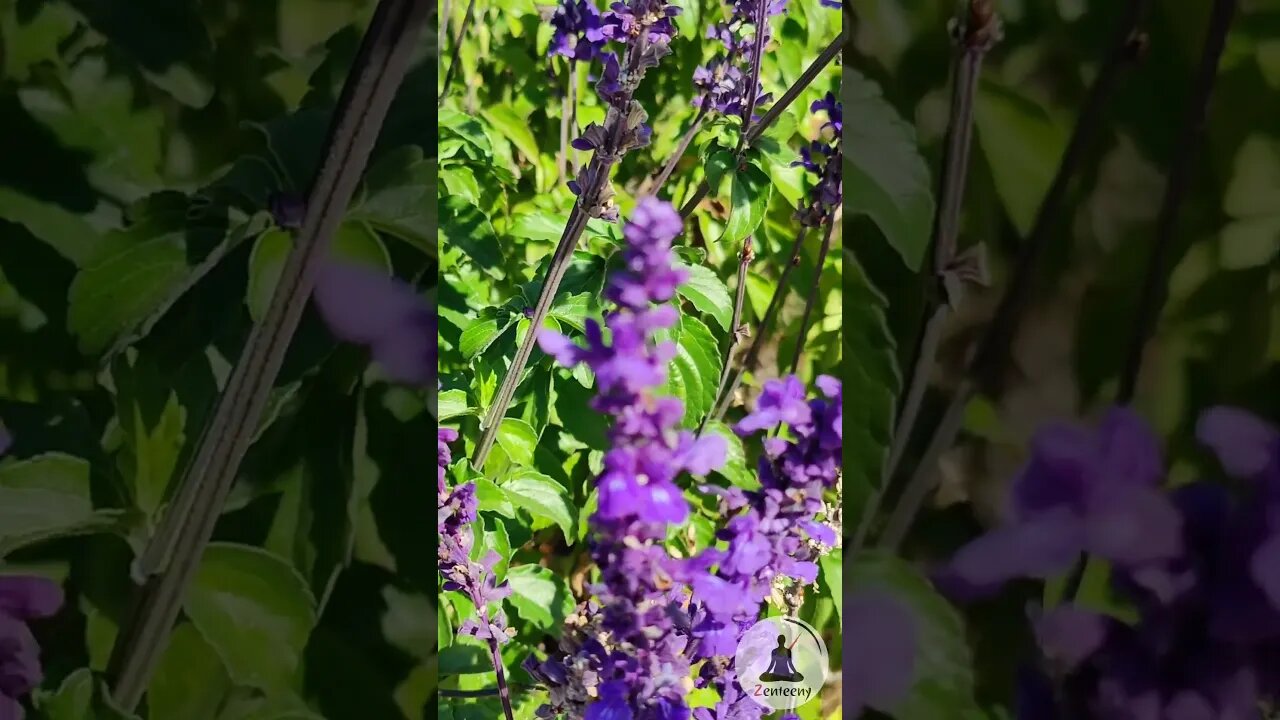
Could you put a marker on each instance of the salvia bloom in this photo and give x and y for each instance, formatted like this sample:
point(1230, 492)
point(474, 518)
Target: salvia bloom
point(579, 34)
point(369, 307)
point(772, 535)
point(823, 159)
point(722, 83)
point(642, 31)
point(625, 658)
point(457, 510)
point(1198, 563)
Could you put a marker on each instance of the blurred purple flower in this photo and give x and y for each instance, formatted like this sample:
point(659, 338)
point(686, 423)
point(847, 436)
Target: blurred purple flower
point(22, 598)
point(1080, 492)
point(368, 307)
point(6, 439)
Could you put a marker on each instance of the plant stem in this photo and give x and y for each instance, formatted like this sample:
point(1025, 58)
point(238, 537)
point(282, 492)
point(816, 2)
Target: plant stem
point(503, 692)
point(457, 50)
point(994, 349)
point(573, 111)
point(761, 334)
point(753, 82)
point(766, 121)
point(735, 326)
point(446, 6)
point(1191, 136)
point(602, 161)
point(562, 159)
point(680, 150)
point(171, 557)
point(812, 299)
point(946, 230)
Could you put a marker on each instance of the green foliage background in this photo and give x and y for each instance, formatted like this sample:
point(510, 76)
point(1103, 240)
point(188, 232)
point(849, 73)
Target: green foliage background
point(141, 141)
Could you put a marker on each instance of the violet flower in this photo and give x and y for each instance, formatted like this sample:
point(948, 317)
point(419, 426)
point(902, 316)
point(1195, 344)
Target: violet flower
point(625, 656)
point(823, 158)
point(578, 32)
point(1081, 491)
point(365, 306)
point(773, 534)
point(22, 598)
point(457, 510)
point(722, 82)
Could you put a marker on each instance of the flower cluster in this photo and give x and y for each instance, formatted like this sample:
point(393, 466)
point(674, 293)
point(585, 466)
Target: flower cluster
point(625, 657)
point(22, 598)
point(643, 30)
point(823, 158)
point(457, 510)
point(579, 34)
point(772, 533)
point(1200, 564)
point(369, 307)
point(722, 82)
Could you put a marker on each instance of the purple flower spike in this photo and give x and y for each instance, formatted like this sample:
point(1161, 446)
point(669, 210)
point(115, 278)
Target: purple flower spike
point(577, 33)
point(368, 307)
point(6, 439)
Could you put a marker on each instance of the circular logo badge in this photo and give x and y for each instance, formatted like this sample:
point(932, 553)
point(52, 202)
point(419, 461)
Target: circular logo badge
point(782, 663)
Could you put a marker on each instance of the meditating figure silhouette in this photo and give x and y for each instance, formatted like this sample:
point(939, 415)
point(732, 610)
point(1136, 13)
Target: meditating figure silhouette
point(780, 667)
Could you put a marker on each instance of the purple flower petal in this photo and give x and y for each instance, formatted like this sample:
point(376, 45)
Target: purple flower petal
point(1245, 444)
point(1068, 635)
point(1130, 525)
point(1264, 568)
point(29, 596)
point(559, 347)
point(1039, 548)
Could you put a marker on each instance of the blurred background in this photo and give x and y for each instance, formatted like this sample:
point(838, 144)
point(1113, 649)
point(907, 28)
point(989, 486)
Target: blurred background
point(1216, 341)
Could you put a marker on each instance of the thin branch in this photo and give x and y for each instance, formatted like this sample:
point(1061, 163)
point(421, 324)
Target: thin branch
point(766, 121)
point(573, 113)
point(457, 50)
point(761, 334)
point(812, 299)
point(736, 327)
point(753, 80)
point(993, 352)
point(173, 554)
point(1155, 287)
point(503, 692)
point(681, 148)
point(443, 21)
point(562, 159)
point(975, 41)
point(597, 174)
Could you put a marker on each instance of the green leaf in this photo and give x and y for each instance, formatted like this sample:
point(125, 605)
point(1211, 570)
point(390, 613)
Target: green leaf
point(871, 374)
point(131, 273)
point(463, 226)
point(189, 680)
point(156, 451)
point(67, 233)
point(518, 439)
point(1023, 145)
point(452, 403)
point(541, 597)
point(735, 468)
point(47, 497)
point(397, 198)
point(507, 121)
point(749, 199)
point(1252, 239)
point(407, 622)
point(719, 164)
point(885, 177)
point(491, 497)
point(256, 611)
point(573, 310)
point(832, 571)
point(73, 699)
point(483, 331)
point(354, 242)
point(694, 373)
point(708, 293)
point(944, 682)
point(702, 697)
point(542, 496)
